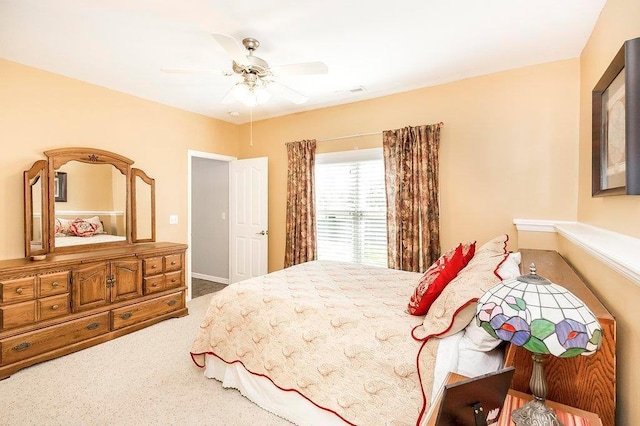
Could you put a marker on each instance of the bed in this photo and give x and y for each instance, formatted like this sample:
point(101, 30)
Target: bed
point(332, 343)
point(72, 240)
point(88, 229)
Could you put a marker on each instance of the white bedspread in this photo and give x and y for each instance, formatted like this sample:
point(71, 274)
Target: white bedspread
point(70, 240)
point(336, 333)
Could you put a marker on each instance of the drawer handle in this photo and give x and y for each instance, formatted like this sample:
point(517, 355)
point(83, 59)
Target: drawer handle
point(173, 280)
point(22, 346)
point(154, 266)
point(93, 326)
point(54, 284)
point(55, 307)
point(126, 315)
point(154, 285)
point(173, 262)
point(171, 302)
point(19, 290)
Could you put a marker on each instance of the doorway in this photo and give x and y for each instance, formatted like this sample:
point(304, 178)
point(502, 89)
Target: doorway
point(227, 218)
point(208, 222)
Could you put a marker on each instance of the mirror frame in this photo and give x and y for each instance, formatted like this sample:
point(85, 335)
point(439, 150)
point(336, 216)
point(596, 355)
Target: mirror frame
point(38, 168)
point(61, 156)
point(46, 169)
point(137, 173)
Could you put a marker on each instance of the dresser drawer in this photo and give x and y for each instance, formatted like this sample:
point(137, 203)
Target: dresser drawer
point(38, 342)
point(17, 290)
point(56, 283)
point(18, 314)
point(130, 315)
point(173, 262)
point(152, 266)
point(173, 279)
point(153, 284)
point(53, 306)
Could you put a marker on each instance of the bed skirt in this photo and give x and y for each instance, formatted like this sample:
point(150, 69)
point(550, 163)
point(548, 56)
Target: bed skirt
point(289, 405)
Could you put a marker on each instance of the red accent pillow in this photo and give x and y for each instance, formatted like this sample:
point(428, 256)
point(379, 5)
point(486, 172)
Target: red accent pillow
point(468, 250)
point(82, 228)
point(436, 278)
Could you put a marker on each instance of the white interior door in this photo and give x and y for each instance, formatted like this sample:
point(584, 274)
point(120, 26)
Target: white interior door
point(248, 232)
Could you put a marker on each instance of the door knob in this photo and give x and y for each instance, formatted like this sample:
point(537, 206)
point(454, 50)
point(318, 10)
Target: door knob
point(262, 233)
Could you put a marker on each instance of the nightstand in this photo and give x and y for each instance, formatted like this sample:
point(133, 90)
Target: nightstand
point(567, 415)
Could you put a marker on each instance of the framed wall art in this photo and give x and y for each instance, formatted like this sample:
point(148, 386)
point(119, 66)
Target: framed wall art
point(60, 187)
point(616, 125)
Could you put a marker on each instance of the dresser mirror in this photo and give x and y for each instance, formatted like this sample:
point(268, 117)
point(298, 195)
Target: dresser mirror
point(35, 209)
point(83, 199)
point(143, 207)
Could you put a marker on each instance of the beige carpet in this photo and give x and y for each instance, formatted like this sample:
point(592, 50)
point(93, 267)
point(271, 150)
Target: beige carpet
point(143, 378)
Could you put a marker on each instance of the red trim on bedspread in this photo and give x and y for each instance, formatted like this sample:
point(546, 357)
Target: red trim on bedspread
point(193, 355)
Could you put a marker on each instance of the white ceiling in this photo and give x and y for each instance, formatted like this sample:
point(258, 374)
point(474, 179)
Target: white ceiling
point(381, 45)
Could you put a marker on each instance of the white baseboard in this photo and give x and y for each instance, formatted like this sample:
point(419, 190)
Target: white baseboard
point(617, 251)
point(210, 278)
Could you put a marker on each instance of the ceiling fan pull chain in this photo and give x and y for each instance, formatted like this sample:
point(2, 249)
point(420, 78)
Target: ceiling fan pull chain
point(250, 126)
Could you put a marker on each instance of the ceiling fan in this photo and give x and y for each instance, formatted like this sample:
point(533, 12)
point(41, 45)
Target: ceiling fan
point(258, 78)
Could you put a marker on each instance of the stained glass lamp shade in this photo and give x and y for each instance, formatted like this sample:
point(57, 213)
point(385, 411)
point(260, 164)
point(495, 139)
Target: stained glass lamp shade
point(544, 318)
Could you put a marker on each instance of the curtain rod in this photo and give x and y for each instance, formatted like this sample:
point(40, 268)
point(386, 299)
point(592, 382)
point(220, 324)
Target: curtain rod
point(356, 135)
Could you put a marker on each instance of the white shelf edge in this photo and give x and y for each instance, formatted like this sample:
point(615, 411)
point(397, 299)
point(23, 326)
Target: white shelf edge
point(537, 225)
point(618, 251)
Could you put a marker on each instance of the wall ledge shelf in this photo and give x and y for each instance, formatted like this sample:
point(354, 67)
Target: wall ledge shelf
point(618, 251)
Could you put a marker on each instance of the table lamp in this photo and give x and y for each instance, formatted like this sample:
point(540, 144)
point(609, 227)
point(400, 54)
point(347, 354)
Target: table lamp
point(544, 318)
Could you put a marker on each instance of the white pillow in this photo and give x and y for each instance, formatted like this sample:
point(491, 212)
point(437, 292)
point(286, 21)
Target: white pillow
point(475, 337)
point(510, 268)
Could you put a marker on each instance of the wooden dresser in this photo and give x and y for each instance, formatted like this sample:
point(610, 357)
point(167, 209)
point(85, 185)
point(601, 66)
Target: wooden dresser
point(584, 382)
point(69, 302)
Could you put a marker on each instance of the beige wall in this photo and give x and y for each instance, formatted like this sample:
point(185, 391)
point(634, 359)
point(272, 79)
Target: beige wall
point(82, 181)
point(41, 111)
point(508, 148)
point(619, 21)
point(622, 298)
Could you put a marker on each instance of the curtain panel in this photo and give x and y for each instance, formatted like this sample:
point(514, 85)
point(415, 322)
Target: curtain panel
point(300, 243)
point(413, 213)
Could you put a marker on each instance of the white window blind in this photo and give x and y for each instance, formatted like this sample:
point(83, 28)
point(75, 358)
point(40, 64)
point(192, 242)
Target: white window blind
point(351, 207)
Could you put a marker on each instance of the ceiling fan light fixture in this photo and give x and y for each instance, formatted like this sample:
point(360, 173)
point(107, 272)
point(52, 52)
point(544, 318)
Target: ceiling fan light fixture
point(250, 95)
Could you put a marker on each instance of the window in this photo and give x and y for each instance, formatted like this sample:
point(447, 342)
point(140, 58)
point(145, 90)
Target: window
point(351, 207)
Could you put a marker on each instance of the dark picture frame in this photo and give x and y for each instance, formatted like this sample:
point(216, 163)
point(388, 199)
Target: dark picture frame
point(615, 118)
point(60, 187)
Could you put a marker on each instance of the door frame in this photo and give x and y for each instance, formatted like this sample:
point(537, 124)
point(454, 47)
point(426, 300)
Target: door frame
point(190, 155)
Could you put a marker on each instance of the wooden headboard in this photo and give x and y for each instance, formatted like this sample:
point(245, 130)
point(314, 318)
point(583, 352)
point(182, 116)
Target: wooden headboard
point(586, 382)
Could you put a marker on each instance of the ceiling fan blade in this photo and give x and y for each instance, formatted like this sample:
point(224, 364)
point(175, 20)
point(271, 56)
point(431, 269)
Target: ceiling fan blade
point(287, 93)
point(228, 98)
point(304, 68)
point(233, 48)
point(195, 71)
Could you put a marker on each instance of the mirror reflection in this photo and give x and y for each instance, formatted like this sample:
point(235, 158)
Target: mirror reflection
point(90, 204)
point(143, 206)
point(37, 220)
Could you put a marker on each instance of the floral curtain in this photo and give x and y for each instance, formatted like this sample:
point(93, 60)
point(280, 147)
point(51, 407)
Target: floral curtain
point(300, 244)
point(411, 179)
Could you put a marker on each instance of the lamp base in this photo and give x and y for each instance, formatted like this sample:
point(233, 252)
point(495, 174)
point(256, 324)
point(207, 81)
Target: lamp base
point(536, 413)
